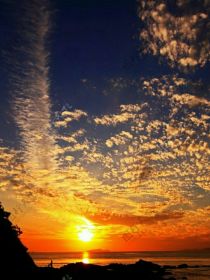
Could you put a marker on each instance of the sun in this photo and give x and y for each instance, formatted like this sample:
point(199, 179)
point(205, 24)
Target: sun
point(85, 235)
point(85, 230)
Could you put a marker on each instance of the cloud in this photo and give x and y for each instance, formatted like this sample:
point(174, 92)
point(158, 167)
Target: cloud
point(130, 220)
point(127, 113)
point(68, 116)
point(190, 100)
point(113, 119)
point(120, 139)
point(178, 32)
point(30, 86)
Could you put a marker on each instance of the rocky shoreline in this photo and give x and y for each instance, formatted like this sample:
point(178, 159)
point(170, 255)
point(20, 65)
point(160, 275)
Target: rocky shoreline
point(142, 270)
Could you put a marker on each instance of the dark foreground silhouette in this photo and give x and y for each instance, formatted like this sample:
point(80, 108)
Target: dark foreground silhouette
point(14, 259)
point(141, 270)
point(16, 263)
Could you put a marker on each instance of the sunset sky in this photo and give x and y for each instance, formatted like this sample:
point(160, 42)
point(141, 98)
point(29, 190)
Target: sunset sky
point(105, 124)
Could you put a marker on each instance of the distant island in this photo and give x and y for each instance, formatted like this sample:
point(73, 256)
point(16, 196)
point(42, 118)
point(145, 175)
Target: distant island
point(99, 251)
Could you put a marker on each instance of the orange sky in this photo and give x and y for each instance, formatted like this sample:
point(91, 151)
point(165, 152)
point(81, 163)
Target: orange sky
point(116, 244)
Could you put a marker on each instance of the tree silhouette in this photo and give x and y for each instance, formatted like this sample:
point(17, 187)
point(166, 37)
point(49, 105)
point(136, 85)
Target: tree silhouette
point(14, 258)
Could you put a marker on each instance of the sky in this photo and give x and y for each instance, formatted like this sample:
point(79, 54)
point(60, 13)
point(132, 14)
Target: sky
point(104, 123)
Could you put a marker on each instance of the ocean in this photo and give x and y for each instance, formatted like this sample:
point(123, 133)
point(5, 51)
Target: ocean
point(192, 258)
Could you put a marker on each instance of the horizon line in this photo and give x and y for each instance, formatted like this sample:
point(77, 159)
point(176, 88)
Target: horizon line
point(110, 251)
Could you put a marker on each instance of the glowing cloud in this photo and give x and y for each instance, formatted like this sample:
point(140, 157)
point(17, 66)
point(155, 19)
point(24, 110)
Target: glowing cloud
point(180, 33)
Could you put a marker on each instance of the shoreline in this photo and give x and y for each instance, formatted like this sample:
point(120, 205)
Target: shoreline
point(139, 270)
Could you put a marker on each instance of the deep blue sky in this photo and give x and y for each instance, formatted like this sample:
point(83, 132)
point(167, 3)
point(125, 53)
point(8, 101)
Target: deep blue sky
point(96, 41)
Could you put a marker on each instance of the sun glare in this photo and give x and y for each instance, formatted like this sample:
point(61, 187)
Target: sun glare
point(85, 235)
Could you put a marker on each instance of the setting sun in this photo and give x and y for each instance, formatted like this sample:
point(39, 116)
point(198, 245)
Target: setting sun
point(85, 235)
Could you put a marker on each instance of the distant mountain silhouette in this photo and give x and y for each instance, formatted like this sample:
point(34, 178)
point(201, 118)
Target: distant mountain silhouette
point(99, 251)
point(15, 262)
point(196, 250)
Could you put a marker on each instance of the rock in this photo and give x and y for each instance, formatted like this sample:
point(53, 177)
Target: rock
point(184, 265)
point(169, 266)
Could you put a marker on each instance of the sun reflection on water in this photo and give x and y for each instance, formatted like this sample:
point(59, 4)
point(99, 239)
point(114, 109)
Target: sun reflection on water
point(85, 258)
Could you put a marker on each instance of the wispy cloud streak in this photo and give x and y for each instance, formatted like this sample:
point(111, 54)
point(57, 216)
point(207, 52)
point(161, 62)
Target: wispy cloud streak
point(31, 100)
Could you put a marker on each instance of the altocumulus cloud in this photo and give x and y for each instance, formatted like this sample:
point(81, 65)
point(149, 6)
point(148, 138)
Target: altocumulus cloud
point(177, 30)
